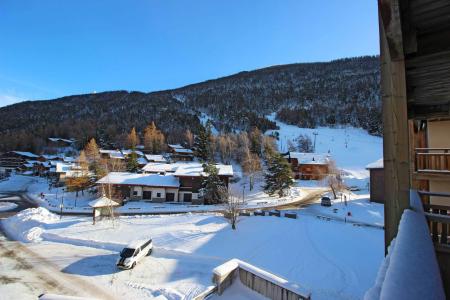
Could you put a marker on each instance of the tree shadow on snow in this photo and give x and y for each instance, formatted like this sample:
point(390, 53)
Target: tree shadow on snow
point(94, 265)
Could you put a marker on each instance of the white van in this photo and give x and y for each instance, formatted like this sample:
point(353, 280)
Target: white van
point(131, 254)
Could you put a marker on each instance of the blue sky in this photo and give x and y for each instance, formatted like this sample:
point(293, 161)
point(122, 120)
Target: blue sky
point(53, 48)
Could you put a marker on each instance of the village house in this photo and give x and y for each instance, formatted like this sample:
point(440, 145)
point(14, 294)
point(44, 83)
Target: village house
point(376, 185)
point(156, 158)
point(132, 186)
point(13, 160)
point(163, 182)
point(59, 145)
point(179, 153)
point(308, 166)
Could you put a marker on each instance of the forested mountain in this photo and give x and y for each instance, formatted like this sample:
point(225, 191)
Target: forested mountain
point(340, 92)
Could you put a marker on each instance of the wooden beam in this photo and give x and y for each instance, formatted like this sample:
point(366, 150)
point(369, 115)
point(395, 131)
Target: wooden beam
point(389, 16)
point(395, 119)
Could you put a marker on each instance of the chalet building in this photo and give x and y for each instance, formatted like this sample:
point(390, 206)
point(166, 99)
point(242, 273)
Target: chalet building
point(415, 90)
point(60, 171)
point(59, 145)
point(152, 158)
point(111, 154)
point(376, 185)
point(151, 187)
point(308, 166)
point(179, 153)
point(13, 160)
point(177, 182)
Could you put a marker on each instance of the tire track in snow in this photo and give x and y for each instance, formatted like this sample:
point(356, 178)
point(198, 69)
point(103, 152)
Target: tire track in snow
point(343, 273)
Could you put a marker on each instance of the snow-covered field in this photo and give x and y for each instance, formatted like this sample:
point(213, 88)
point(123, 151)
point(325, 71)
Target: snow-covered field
point(351, 148)
point(333, 259)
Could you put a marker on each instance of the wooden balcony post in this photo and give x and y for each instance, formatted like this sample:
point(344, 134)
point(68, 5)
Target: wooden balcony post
point(395, 119)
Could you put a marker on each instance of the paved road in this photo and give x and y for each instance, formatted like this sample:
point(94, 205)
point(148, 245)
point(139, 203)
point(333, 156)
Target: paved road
point(24, 274)
point(19, 198)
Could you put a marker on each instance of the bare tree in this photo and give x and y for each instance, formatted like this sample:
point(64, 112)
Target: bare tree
point(334, 178)
point(232, 207)
point(304, 143)
point(132, 139)
point(226, 147)
point(251, 166)
point(189, 137)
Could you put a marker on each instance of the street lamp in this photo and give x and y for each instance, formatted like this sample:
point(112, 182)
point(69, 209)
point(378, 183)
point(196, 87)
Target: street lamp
point(61, 206)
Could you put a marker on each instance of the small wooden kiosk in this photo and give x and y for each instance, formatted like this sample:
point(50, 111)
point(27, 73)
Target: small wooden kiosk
point(102, 206)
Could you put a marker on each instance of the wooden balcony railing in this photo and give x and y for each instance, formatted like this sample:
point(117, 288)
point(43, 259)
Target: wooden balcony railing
point(438, 217)
point(432, 161)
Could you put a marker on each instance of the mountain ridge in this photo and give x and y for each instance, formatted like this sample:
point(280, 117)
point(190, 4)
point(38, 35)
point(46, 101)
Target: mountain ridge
point(332, 93)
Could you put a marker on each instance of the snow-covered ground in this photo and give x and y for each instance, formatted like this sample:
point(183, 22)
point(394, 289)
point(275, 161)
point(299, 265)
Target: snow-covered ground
point(333, 259)
point(351, 148)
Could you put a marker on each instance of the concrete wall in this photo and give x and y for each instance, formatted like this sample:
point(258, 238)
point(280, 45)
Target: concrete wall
point(155, 190)
point(439, 137)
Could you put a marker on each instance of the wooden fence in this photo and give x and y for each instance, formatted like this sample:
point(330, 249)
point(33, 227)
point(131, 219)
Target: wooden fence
point(432, 160)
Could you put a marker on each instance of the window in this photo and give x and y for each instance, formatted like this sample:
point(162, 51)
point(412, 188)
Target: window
point(135, 193)
point(158, 195)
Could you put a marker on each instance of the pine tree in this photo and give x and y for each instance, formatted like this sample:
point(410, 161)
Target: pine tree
point(202, 144)
point(132, 162)
point(278, 175)
point(212, 185)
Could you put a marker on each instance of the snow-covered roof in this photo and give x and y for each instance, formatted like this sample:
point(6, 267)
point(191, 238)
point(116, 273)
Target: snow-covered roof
point(175, 146)
point(155, 158)
point(125, 178)
point(113, 153)
point(142, 160)
point(186, 169)
point(103, 202)
point(233, 264)
point(116, 154)
point(379, 164)
point(129, 151)
point(56, 139)
point(26, 154)
point(310, 158)
point(68, 159)
point(50, 157)
point(196, 169)
point(183, 151)
point(157, 167)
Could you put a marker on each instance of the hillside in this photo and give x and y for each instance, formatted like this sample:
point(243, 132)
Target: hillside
point(341, 92)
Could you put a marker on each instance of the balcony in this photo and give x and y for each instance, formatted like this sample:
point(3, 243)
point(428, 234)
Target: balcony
point(432, 164)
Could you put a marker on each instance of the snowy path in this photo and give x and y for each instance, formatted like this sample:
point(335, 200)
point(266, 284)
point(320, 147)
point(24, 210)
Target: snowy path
point(23, 272)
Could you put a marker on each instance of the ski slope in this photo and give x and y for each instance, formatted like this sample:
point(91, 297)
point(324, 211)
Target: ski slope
point(351, 148)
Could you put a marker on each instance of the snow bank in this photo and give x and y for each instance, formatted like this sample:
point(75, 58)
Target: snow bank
point(410, 271)
point(5, 206)
point(28, 225)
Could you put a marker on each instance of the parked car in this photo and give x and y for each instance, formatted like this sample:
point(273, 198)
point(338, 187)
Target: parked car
point(133, 253)
point(325, 201)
